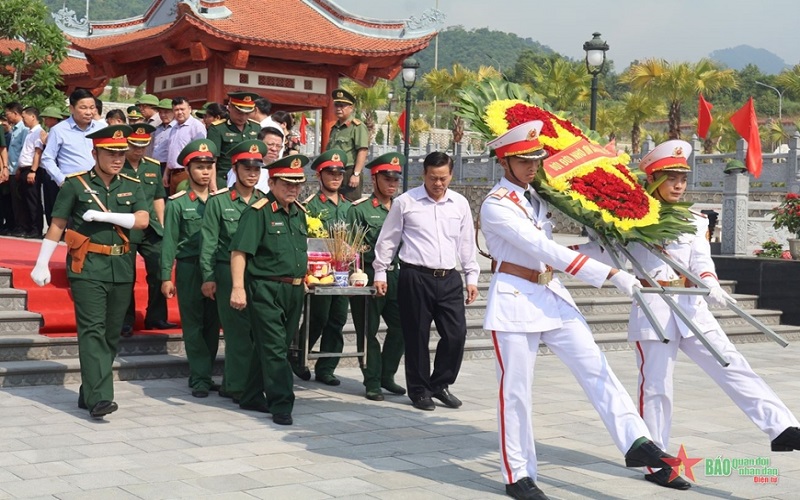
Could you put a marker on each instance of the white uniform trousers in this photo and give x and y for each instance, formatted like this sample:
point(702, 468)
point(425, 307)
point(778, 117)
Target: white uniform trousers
point(751, 394)
point(515, 354)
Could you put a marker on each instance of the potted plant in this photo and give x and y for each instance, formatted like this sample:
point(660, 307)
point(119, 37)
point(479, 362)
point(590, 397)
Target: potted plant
point(787, 215)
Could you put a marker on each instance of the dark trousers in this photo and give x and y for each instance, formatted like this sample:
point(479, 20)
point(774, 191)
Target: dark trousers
point(49, 193)
point(28, 202)
point(7, 223)
point(150, 250)
point(423, 299)
point(346, 190)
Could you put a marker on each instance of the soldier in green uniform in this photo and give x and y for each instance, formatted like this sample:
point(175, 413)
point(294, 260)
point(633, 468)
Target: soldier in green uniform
point(237, 128)
point(223, 211)
point(103, 205)
point(182, 222)
point(269, 259)
point(328, 314)
point(371, 212)
point(350, 135)
point(134, 115)
point(147, 242)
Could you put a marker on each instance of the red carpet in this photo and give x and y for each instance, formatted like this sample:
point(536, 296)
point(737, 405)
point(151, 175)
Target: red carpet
point(54, 300)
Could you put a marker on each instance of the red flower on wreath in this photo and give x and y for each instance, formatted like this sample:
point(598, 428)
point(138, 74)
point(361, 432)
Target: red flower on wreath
point(611, 193)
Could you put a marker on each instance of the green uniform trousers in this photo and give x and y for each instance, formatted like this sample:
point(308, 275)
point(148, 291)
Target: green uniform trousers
point(381, 366)
point(275, 310)
point(236, 329)
point(200, 323)
point(99, 311)
point(150, 250)
point(326, 319)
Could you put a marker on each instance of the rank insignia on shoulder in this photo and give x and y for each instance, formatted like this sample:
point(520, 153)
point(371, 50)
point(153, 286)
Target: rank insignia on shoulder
point(177, 195)
point(152, 160)
point(260, 204)
point(134, 179)
point(300, 206)
point(361, 200)
point(220, 191)
point(76, 174)
point(309, 199)
point(254, 121)
point(500, 193)
point(356, 121)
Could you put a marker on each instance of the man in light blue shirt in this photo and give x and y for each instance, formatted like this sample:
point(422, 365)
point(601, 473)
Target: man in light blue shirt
point(185, 129)
point(68, 150)
point(18, 134)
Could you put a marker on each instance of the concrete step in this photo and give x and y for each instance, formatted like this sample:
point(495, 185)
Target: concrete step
point(12, 299)
point(19, 323)
point(35, 347)
point(5, 277)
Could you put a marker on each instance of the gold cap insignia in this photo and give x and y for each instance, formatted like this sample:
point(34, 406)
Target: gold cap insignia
point(203, 148)
point(533, 134)
point(295, 163)
point(118, 135)
point(677, 152)
point(140, 131)
point(339, 94)
point(247, 98)
point(335, 157)
point(395, 161)
point(254, 149)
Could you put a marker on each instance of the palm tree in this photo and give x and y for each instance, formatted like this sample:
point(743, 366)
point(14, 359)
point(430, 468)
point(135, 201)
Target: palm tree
point(677, 82)
point(637, 109)
point(369, 99)
point(790, 81)
point(563, 84)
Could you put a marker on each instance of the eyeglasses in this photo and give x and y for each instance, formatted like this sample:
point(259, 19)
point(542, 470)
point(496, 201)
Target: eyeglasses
point(274, 145)
point(340, 104)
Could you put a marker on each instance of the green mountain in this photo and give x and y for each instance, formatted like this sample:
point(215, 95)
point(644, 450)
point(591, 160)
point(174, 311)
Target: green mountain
point(739, 57)
point(477, 47)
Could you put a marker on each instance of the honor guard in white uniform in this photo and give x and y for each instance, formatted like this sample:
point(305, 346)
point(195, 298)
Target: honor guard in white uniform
point(656, 359)
point(526, 305)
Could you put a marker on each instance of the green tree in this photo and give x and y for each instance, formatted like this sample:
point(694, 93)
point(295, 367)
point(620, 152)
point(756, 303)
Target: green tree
point(677, 82)
point(789, 80)
point(563, 84)
point(30, 72)
point(638, 108)
point(369, 99)
point(113, 95)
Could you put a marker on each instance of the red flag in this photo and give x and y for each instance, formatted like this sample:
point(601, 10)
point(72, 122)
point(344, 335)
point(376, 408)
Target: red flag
point(746, 124)
point(401, 123)
point(612, 146)
point(704, 118)
point(303, 125)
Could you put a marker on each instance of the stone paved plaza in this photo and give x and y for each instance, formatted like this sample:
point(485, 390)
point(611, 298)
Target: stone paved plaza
point(163, 443)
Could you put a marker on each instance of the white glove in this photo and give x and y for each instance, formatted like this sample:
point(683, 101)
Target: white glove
point(718, 297)
point(625, 282)
point(125, 220)
point(41, 271)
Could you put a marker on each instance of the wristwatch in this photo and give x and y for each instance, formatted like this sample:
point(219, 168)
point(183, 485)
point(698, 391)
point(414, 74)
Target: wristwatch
point(356, 174)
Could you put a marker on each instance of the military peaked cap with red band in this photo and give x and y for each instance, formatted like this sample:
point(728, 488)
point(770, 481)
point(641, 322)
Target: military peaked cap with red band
point(141, 134)
point(522, 141)
point(243, 101)
point(333, 159)
point(670, 155)
point(249, 152)
point(198, 150)
point(133, 112)
point(289, 168)
point(113, 137)
point(389, 164)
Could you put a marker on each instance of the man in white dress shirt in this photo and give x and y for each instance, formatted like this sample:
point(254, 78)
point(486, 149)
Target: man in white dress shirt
point(526, 305)
point(434, 225)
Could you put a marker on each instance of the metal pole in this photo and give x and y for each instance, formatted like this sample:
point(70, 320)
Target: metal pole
point(593, 112)
point(407, 138)
point(389, 124)
point(780, 99)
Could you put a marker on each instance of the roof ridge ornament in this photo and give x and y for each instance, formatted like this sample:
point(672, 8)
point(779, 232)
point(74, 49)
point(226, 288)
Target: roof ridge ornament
point(67, 21)
point(429, 20)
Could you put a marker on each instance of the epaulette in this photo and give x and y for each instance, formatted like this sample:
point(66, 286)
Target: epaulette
point(260, 204)
point(361, 200)
point(305, 202)
point(699, 214)
point(177, 195)
point(499, 194)
point(77, 174)
point(356, 121)
point(217, 122)
point(134, 179)
point(152, 160)
point(254, 121)
point(300, 206)
point(220, 191)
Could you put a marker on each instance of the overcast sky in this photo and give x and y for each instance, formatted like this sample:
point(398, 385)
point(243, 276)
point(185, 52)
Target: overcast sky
point(676, 30)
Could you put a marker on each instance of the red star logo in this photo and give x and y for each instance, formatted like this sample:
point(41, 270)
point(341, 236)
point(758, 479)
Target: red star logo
point(682, 463)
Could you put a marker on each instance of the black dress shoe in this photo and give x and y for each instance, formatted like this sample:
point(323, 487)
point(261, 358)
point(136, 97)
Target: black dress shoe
point(328, 379)
point(159, 325)
point(390, 386)
point(303, 373)
point(199, 393)
point(283, 419)
point(423, 403)
point(33, 235)
point(446, 397)
point(788, 440)
point(215, 387)
point(646, 454)
point(525, 489)
point(103, 408)
point(262, 407)
point(661, 478)
point(375, 395)
point(127, 331)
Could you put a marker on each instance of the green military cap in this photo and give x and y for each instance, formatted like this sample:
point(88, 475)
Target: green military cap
point(333, 159)
point(389, 164)
point(113, 137)
point(134, 113)
point(51, 112)
point(148, 99)
point(141, 134)
point(250, 153)
point(164, 104)
point(341, 95)
point(243, 101)
point(198, 150)
point(65, 113)
point(202, 111)
point(289, 168)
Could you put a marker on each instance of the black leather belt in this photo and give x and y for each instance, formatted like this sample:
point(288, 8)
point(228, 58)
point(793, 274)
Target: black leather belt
point(436, 273)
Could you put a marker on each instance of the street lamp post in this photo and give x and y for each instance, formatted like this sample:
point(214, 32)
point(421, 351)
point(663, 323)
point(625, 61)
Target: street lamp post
point(410, 67)
point(780, 99)
point(388, 118)
point(595, 61)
